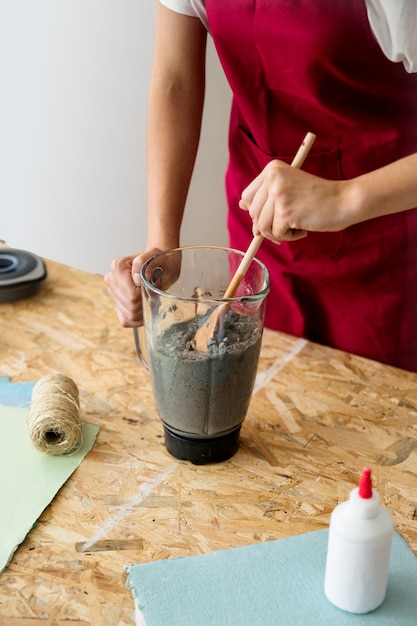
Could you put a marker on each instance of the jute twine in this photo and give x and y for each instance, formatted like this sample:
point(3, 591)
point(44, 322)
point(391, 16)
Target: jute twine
point(53, 419)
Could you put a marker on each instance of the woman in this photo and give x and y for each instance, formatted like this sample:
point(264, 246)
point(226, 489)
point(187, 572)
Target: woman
point(345, 270)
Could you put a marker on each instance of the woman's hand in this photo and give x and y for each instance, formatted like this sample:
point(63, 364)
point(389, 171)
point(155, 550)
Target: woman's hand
point(285, 203)
point(123, 286)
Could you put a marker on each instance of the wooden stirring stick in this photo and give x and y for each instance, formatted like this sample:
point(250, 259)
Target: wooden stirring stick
point(207, 330)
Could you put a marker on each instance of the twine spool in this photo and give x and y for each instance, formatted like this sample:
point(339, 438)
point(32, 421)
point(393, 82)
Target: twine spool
point(53, 420)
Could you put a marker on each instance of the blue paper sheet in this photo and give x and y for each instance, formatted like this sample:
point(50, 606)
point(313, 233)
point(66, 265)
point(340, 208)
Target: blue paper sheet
point(273, 583)
point(15, 394)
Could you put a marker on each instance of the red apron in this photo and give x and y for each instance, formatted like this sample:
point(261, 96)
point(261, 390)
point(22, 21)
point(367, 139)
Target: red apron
point(303, 65)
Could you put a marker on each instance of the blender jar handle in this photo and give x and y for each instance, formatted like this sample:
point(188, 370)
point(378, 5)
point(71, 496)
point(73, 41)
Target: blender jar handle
point(156, 274)
point(139, 349)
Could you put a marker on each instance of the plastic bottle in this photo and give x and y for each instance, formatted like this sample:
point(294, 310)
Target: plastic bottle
point(359, 548)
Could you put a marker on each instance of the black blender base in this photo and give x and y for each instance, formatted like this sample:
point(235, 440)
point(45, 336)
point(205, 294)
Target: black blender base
point(202, 451)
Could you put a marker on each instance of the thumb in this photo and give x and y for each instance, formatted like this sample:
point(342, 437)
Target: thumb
point(139, 260)
point(137, 263)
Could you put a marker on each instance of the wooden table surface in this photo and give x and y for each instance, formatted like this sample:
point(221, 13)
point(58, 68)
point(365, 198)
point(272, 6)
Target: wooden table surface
point(316, 418)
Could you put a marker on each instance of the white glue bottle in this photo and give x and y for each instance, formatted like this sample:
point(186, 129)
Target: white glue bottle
point(359, 548)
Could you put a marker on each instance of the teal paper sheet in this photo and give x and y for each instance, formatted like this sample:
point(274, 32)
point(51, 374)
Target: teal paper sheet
point(273, 583)
point(29, 479)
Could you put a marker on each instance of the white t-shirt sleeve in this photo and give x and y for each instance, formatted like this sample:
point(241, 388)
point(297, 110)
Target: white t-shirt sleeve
point(194, 8)
point(394, 24)
point(180, 6)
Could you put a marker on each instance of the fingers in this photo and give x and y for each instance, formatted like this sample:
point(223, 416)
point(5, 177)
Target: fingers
point(275, 204)
point(124, 287)
point(248, 194)
point(293, 234)
point(125, 294)
point(271, 224)
point(260, 199)
point(139, 260)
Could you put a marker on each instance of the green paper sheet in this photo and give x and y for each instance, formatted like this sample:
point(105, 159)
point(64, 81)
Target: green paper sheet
point(29, 479)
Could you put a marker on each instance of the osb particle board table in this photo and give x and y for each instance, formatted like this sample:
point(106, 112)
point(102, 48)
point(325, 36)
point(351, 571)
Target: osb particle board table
point(316, 418)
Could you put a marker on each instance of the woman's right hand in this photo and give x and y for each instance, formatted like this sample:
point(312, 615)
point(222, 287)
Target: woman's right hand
point(123, 286)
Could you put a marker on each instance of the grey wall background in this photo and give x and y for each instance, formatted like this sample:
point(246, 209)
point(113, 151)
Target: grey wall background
point(73, 98)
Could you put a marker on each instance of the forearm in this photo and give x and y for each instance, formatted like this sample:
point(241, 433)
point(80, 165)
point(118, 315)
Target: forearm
point(390, 189)
point(175, 108)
